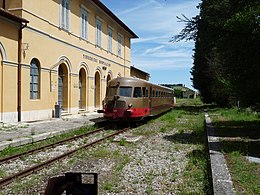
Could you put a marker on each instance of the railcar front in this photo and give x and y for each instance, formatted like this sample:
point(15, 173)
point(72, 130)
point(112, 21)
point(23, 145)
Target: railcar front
point(126, 99)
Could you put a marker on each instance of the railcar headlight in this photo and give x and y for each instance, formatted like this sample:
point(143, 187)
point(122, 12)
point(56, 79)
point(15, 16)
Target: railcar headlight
point(130, 105)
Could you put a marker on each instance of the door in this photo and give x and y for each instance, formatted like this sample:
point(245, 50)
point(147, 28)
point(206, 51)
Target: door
point(80, 90)
point(60, 86)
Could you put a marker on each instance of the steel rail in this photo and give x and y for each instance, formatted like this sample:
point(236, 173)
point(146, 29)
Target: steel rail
point(26, 172)
point(16, 156)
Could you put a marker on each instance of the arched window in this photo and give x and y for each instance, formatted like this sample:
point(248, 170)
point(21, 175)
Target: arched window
point(34, 79)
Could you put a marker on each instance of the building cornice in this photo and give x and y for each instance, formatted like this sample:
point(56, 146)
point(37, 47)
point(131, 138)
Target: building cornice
point(6, 14)
point(114, 17)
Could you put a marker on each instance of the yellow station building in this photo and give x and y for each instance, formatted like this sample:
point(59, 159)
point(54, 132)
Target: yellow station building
point(58, 52)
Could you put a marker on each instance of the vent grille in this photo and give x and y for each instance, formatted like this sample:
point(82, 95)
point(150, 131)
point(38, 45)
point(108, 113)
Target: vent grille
point(116, 104)
point(120, 104)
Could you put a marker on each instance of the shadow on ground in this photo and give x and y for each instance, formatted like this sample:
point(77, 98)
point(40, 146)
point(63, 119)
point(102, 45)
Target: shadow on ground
point(242, 136)
point(196, 136)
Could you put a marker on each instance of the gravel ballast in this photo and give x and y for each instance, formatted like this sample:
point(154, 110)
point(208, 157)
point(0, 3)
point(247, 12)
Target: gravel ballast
point(156, 164)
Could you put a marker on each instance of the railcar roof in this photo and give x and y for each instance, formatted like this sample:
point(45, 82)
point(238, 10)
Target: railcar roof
point(133, 79)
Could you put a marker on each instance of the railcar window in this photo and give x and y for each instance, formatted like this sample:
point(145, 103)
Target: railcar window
point(112, 91)
point(125, 91)
point(156, 94)
point(145, 92)
point(153, 93)
point(137, 92)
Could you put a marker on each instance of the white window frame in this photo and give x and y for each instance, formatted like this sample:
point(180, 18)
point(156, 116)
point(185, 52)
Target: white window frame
point(84, 23)
point(109, 39)
point(98, 32)
point(119, 44)
point(65, 14)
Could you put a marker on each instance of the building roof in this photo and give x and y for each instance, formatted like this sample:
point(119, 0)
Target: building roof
point(179, 87)
point(107, 11)
point(132, 67)
point(10, 16)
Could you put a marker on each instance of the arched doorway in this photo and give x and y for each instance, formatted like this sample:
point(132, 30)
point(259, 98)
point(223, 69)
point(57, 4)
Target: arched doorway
point(63, 87)
point(1, 86)
point(97, 90)
point(82, 90)
point(108, 78)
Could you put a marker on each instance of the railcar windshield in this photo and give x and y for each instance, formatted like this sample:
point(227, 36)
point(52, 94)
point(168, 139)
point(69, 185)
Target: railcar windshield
point(125, 91)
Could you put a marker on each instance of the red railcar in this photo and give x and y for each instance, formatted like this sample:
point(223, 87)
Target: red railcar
point(133, 99)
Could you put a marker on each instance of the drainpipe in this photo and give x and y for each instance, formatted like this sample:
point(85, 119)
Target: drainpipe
point(3, 4)
point(20, 69)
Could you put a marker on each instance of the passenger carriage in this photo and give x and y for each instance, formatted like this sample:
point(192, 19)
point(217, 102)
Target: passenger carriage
point(134, 99)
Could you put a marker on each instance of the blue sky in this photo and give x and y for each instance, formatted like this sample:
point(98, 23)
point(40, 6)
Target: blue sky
point(155, 23)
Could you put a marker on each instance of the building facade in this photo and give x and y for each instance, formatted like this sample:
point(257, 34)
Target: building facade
point(67, 53)
point(135, 72)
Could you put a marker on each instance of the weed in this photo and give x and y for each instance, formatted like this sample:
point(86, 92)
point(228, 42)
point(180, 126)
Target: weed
point(108, 186)
point(33, 131)
point(163, 129)
point(72, 161)
point(2, 173)
point(24, 126)
point(122, 142)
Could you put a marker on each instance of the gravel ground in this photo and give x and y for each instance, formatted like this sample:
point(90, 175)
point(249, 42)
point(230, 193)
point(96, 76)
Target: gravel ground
point(153, 165)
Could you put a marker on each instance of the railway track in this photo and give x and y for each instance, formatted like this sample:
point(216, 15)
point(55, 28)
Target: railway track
point(23, 173)
point(16, 156)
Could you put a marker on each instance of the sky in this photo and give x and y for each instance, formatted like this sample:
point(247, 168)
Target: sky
point(155, 23)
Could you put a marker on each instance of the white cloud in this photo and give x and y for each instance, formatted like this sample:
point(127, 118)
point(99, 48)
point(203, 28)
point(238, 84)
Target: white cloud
point(154, 17)
point(153, 50)
point(155, 22)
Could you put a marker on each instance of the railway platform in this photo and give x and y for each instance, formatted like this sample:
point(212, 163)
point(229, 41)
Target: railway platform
point(20, 133)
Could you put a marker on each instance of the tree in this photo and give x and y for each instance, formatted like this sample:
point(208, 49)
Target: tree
point(226, 55)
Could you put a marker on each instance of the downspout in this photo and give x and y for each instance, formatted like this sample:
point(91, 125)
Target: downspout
point(20, 69)
point(3, 4)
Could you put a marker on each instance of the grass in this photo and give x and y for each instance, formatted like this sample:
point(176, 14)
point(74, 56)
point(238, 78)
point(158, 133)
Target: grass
point(110, 184)
point(239, 134)
point(2, 173)
point(189, 122)
point(187, 118)
point(16, 150)
point(245, 175)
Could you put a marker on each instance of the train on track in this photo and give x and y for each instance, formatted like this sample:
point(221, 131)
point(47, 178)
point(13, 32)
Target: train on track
point(130, 98)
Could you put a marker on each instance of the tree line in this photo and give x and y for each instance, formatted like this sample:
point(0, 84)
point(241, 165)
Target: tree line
point(226, 66)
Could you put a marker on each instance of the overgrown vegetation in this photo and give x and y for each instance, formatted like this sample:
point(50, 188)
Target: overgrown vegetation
point(239, 134)
point(189, 117)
